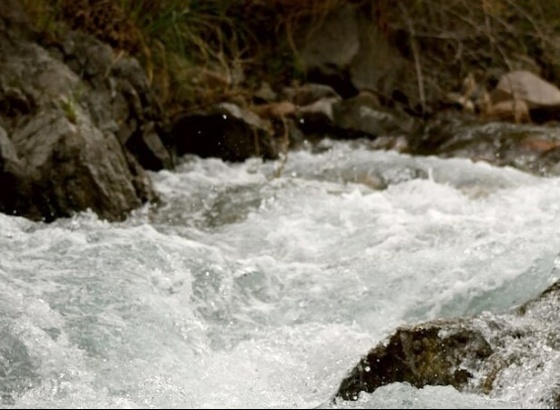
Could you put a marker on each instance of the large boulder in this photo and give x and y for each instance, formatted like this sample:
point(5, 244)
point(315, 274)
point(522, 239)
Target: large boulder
point(57, 155)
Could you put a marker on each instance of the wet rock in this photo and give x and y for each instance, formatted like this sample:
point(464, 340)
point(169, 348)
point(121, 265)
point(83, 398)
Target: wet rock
point(225, 131)
point(69, 167)
point(12, 172)
point(361, 116)
point(528, 147)
point(148, 149)
point(438, 353)
point(510, 353)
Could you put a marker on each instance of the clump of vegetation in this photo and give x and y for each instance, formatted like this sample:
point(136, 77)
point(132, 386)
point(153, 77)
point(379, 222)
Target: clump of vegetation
point(200, 51)
point(194, 51)
point(459, 37)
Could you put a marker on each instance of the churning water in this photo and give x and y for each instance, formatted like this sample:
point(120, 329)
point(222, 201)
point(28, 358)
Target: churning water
point(247, 290)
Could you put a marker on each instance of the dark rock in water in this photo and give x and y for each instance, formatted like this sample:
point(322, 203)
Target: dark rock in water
point(148, 149)
point(528, 147)
point(437, 353)
point(224, 132)
point(488, 354)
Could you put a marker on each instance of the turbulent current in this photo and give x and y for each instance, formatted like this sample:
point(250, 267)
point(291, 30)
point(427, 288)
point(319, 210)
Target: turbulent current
point(261, 284)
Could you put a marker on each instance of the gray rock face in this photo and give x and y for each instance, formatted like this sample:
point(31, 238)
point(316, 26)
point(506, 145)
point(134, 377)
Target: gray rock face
point(69, 139)
point(332, 47)
point(347, 51)
point(117, 95)
point(522, 94)
point(489, 354)
point(71, 167)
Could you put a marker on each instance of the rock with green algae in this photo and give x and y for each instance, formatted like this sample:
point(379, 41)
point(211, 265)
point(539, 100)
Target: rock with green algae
point(438, 353)
point(515, 354)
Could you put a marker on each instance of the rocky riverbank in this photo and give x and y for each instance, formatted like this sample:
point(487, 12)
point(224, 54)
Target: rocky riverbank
point(80, 123)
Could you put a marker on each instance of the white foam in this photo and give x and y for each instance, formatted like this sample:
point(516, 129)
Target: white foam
point(245, 290)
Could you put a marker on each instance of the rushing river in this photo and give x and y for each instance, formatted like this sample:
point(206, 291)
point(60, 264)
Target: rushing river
point(245, 289)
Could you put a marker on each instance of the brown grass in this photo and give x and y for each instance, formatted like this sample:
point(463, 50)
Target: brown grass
point(457, 37)
point(200, 51)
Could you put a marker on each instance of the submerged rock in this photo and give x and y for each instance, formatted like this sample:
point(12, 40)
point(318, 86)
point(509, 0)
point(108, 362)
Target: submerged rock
point(18, 371)
point(515, 353)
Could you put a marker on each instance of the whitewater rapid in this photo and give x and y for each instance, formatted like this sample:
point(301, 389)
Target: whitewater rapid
point(242, 289)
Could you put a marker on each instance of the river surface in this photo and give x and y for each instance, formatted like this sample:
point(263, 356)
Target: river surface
point(257, 285)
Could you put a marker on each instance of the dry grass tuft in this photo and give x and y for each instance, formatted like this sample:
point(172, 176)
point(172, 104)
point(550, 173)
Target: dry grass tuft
point(200, 51)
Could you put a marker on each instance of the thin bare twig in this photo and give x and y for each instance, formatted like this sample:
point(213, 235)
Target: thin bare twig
point(416, 55)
